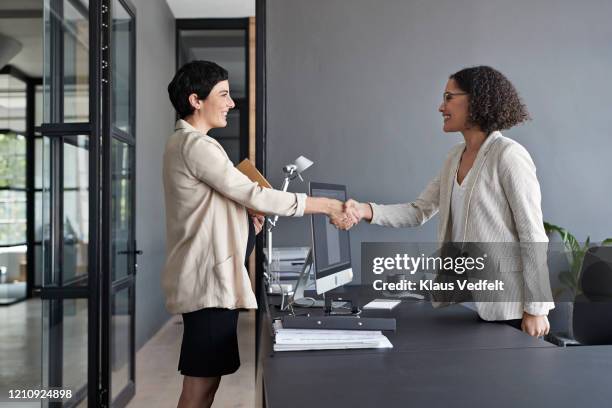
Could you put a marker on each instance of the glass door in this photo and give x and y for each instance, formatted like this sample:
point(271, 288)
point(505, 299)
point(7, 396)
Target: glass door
point(68, 287)
point(89, 249)
point(118, 345)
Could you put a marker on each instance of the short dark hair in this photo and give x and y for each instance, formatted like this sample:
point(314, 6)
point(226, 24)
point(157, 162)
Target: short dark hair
point(494, 103)
point(195, 77)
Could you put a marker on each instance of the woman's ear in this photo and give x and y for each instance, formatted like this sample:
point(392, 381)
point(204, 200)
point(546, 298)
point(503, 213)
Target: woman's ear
point(194, 101)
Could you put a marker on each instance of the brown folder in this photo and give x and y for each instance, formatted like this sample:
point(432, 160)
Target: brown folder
point(249, 170)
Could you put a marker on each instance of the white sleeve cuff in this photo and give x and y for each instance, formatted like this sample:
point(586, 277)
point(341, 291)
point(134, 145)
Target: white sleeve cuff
point(301, 204)
point(375, 213)
point(538, 308)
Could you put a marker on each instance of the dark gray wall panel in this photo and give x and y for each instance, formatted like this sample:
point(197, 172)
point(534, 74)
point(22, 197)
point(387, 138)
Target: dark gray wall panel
point(154, 124)
point(354, 85)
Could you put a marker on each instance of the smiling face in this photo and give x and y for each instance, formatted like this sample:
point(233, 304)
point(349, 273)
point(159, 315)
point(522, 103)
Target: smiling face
point(213, 110)
point(454, 108)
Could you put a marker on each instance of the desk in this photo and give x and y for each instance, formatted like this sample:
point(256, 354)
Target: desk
point(441, 358)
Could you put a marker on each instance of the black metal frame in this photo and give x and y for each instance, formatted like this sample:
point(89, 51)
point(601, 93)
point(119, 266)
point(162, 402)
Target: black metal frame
point(110, 287)
point(96, 86)
point(260, 150)
point(55, 311)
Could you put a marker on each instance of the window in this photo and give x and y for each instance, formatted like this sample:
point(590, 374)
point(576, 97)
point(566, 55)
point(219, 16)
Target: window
point(12, 161)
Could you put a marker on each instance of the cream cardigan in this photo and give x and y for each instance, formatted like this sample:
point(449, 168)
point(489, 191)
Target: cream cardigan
point(503, 208)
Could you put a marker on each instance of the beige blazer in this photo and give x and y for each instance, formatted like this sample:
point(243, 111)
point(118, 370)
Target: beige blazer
point(502, 205)
point(207, 225)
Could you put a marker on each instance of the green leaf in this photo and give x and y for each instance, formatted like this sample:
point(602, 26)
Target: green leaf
point(607, 241)
point(569, 241)
point(548, 227)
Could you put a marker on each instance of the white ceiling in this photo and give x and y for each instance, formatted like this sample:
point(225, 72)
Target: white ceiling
point(212, 8)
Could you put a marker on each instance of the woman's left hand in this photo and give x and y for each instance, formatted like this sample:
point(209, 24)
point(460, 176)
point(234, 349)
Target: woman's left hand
point(258, 222)
point(535, 325)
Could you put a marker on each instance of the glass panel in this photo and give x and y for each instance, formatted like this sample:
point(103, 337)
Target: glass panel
point(67, 34)
point(38, 105)
point(65, 345)
point(12, 203)
point(76, 207)
point(76, 61)
point(121, 341)
point(122, 63)
point(41, 156)
point(225, 47)
point(20, 351)
point(12, 217)
point(12, 103)
point(41, 205)
point(12, 160)
point(12, 275)
point(122, 184)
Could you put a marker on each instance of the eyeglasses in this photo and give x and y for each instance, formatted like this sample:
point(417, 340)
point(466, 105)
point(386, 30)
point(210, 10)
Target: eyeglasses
point(447, 96)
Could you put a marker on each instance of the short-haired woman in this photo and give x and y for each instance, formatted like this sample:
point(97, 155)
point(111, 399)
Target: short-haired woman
point(209, 231)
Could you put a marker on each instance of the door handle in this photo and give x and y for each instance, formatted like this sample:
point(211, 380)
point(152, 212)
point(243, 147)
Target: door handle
point(136, 252)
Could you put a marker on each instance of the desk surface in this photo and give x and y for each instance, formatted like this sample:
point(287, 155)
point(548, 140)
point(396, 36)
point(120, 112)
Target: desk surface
point(420, 327)
point(531, 377)
point(441, 357)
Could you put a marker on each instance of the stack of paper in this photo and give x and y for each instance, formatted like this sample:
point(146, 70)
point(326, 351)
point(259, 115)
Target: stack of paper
point(308, 339)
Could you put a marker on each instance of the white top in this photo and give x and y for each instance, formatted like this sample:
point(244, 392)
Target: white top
point(458, 208)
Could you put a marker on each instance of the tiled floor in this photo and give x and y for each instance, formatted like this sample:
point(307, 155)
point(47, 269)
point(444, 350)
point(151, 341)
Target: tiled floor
point(158, 383)
point(24, 342)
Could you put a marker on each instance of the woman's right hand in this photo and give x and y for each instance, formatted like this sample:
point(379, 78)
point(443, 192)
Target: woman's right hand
point(358, 211)
point(333, 208)
point(340, 218)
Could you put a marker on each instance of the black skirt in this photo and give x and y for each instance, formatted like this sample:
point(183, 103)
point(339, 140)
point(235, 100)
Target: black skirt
point(210, 340)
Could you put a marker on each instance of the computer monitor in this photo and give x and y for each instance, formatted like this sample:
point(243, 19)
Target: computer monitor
point(330, 246)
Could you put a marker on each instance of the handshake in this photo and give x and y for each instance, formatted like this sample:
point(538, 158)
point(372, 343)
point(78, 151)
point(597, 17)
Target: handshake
point(346, 215)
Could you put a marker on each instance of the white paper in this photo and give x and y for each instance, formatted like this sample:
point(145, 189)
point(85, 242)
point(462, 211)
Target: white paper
point(386, 304)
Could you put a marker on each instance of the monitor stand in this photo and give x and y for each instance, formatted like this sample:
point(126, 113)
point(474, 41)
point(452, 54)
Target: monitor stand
point(297, 298)
point(335, 310)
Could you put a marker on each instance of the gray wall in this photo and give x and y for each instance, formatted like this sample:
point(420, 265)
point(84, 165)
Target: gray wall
point(354, 85)
point(154, 124)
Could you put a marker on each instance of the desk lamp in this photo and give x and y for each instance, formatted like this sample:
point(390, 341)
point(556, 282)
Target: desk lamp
point(291, 171)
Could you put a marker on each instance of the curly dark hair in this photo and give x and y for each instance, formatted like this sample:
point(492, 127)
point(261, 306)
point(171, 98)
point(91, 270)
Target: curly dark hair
point(494, 102)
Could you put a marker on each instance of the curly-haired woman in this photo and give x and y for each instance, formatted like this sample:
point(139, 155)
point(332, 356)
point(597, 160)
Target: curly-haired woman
point(486, 192)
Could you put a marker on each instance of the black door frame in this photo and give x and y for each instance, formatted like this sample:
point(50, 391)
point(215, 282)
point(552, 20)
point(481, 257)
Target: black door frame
point(110, 287)
point(260, 151)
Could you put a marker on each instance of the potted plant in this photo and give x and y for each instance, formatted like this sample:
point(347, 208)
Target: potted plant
point(569, 279)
